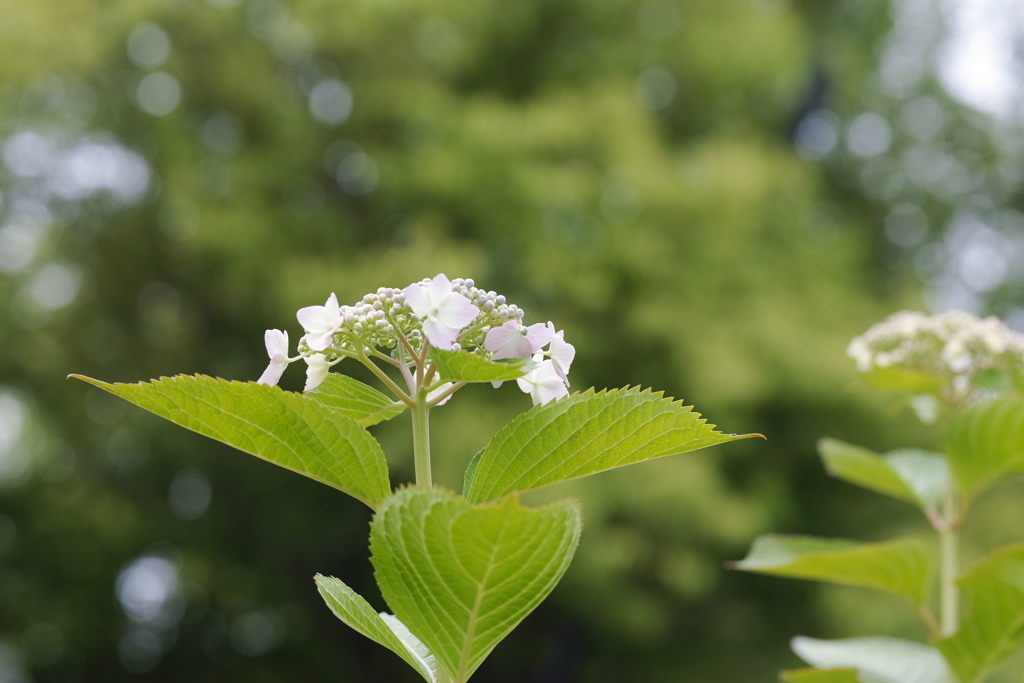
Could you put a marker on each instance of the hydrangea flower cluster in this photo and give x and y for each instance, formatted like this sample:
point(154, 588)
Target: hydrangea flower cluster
point(397, 326)
point(955, 344)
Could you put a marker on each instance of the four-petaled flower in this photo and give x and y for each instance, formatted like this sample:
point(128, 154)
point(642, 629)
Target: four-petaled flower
point(444, 312)
point(543, 383)
point(317, 367)
point(320, 323)
point(515, 340)
point(277, 349)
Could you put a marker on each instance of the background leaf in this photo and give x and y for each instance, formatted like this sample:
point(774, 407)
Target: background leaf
point(352, 398)
point(916, 476)
point(986, 442)
point(382, 628)
point(992, 627)
point(461, 577)
point(902, 567)
point(282, 427)
point(462, 366)
point(588, 433)
point(820, 676)
point(877, 659)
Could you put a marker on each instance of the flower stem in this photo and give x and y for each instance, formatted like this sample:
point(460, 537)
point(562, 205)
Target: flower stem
point(949, 551)
point(421, 437)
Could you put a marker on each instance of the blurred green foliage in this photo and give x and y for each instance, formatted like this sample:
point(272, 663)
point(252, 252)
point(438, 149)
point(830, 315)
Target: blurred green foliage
point(617, 166)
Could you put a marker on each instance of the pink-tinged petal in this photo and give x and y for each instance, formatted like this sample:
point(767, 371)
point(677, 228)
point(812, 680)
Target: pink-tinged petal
point(540, 335)
point(272, 375)
point(439, 335)
point(277, 343)
point(317, 368)
point(507, 341)
point(439, 289)
point(416, 298)
point(457, 311)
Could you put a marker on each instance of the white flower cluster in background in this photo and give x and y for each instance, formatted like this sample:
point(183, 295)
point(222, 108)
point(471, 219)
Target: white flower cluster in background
point(396, 325)
point(956, 344)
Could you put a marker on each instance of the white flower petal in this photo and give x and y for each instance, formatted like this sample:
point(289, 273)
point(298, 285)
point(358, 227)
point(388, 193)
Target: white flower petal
point(276, 342)
point(439, 334)
point(316, 370)
point(439, 289)
point(416, 298)
point(272, 375)
point(440, 390)
point(539, 335)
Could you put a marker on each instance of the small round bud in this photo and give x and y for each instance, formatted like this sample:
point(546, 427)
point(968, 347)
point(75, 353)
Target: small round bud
point(456, 346)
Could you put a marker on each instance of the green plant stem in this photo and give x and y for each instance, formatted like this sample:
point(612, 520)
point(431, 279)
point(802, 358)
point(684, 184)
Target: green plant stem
point(949, 551)
point(421, 437)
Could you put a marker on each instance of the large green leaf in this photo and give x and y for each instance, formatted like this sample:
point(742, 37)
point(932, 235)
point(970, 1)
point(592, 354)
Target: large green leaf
point(902, 567)
point(877, 660)
point(819, 676)
point(461, 576)
point(350, 397)
point(285, 428)
point(381, 628)
point(463, 366)
point(918, 477)
point(986, 442)
point(992, 628)
point(584, 434)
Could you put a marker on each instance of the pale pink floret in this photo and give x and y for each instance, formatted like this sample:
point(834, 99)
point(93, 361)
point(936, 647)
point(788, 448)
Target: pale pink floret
point(317, 367)
point(320, 323)
point(543, 383)
point(277, 349)
point(515, 340)
point(561, 352)
point(444, 312)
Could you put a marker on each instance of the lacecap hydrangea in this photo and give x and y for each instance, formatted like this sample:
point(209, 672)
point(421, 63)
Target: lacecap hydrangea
point(398, 326)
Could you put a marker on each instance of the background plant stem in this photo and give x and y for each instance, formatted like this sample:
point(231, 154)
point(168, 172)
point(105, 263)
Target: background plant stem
point(949, 550)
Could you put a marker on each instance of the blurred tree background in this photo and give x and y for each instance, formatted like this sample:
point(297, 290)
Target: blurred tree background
point(710, 196)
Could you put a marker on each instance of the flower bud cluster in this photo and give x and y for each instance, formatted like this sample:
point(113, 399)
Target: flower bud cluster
point(451, 315)
point(955, 344)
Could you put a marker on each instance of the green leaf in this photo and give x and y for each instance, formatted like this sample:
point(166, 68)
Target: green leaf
point(463, 366)
point(820, 676)
point(902, 567)
point(470, 471)
point(877, 660)
point(992, 628)
point(904, 380)
point(588, 433)
point(382, 628)
point(916, 476)
point(282, 427)
point(986, 442)
point(461, 576)
point(352, 398)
